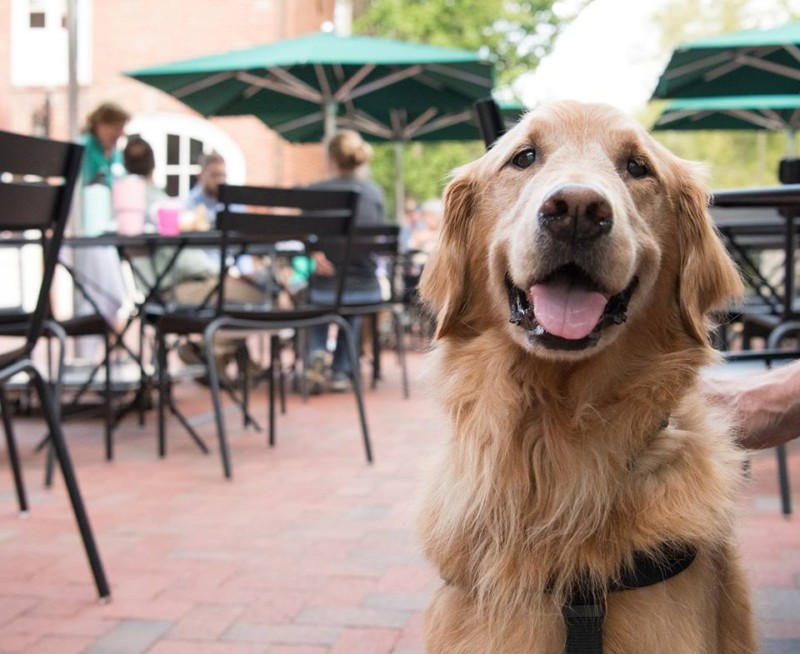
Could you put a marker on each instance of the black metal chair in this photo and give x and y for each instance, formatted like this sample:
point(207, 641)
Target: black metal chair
point(383, 241)
point(37, 179)
point(266, 216)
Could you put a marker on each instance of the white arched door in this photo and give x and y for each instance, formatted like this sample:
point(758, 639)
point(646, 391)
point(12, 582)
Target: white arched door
point(178, 141)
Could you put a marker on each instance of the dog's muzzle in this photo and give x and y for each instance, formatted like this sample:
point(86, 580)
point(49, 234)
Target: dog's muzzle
point(523, 315)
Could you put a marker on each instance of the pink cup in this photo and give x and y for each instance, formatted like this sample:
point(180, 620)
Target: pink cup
point(169, 221)
point(129, 204)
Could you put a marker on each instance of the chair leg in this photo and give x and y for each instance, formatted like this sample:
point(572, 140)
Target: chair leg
point(163, 392)
point(49, 464)
point(71, 482)
point(783, 479)
point(401, 350)
point(13, 453)
point(144, 388)
point(273, 367)
point(276, 347)
point(376, 351)
point(243, 377)
point(109, 437)
point(357, 386)
point(58, 394)
point(216, 398)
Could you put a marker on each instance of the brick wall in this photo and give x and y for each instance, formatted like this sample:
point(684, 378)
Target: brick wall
point(130, 34)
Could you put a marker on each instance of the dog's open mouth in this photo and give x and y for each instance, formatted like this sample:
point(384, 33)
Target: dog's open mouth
point(568, 309)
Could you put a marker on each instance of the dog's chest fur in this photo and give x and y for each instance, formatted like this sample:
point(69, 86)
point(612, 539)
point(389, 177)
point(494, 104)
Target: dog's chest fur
point(583, 484)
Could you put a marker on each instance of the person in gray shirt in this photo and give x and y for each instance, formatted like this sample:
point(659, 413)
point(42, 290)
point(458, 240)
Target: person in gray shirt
point(348, 156)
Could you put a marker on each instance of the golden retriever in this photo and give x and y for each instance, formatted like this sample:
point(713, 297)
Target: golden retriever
point(572, 283)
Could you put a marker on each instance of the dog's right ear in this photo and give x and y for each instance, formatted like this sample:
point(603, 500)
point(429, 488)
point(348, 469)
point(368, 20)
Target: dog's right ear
point(444, 279)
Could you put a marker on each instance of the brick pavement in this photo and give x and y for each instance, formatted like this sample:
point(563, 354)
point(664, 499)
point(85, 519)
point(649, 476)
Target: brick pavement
point(307, 551)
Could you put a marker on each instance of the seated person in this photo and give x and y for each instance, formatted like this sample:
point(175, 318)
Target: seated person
point(348, 160)
point(139, 159)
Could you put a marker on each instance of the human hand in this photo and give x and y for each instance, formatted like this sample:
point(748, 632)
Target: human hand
point(766, 406)
point(323, 265)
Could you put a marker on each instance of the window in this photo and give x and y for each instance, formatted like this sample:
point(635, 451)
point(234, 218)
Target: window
point(178, 142)
point(39, 42)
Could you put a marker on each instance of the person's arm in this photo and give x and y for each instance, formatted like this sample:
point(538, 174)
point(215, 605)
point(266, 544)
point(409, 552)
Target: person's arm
point(767, 405)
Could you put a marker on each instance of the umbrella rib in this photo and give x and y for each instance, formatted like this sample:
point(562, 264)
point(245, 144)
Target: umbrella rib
point(362, 121)
point(388, 80)
point(673, 116)
point(202, 84)
point(323, 83)
point(697, 65)
point(755, 119)
point(343, 91)
point(444, 121)
point(462, 75)
point(770, 67)
point(338, 72)
point(414, 126)
point(298, 122)
point(285, 76)
point(280, 87)
point(793, 50)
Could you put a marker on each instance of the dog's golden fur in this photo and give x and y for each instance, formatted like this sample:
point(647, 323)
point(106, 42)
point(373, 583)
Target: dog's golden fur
point(559, 463)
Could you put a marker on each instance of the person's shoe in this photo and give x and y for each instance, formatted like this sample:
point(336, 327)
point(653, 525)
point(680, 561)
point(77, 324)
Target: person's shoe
point(222, 361)
point(341, 382)
point(190, 353)
point(315, 373)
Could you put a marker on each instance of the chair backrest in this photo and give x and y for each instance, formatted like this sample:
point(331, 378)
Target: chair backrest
point(268, 215)
point(382, 242)
point(37, 181)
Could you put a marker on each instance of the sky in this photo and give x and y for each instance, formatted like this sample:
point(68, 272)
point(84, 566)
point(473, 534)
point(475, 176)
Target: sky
point(609, 53)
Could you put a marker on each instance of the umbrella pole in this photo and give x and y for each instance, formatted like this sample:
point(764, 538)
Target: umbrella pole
point(331, 110)
point(399, 182)
point(791, 147)
point(72, 63)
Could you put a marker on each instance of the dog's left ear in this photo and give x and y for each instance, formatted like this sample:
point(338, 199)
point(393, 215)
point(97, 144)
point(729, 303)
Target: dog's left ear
point(708, 279)
point(443, 286)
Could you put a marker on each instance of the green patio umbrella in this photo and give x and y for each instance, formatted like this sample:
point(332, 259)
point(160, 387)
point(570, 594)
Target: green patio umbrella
point(753, 62)
point(769, 112)
point(744, 112)
point(303, 87)
point(458, 126)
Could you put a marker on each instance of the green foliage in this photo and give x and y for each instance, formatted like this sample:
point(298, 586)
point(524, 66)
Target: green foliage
point(426, 167)
point(516, 34)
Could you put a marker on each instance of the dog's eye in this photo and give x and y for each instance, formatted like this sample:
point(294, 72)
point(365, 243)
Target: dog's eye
point(637, 169)
point(524, 159)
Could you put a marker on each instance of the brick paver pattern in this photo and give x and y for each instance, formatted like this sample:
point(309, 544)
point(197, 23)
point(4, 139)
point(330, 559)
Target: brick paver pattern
point(307, 551)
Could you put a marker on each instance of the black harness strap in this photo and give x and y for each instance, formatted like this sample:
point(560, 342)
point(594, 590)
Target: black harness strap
point(584, 612)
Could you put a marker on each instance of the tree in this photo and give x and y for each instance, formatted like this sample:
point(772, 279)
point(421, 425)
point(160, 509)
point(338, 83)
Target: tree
point(515, 34)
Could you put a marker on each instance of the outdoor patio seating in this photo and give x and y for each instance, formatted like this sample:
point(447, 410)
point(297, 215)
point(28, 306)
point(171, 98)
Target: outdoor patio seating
point(383, 242)
point(37, 179)
point(263, 217)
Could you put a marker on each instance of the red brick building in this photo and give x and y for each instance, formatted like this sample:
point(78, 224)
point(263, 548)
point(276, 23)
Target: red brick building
point(120, 35)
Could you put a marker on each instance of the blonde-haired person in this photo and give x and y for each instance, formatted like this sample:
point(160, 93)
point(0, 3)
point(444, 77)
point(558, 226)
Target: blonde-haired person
point(348, 159)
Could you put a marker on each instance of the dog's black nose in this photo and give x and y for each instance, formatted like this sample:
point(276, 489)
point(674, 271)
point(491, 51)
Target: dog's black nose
point(576, 213)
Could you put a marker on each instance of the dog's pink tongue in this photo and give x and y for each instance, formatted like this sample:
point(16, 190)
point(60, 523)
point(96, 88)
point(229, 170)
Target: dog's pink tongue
point(566, 309)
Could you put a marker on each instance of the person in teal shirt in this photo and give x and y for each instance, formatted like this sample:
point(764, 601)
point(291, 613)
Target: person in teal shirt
point(99, 268)
point(102, 159)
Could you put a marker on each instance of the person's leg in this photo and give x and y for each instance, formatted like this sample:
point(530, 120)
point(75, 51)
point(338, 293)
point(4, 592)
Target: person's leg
point(341, 362)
